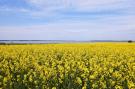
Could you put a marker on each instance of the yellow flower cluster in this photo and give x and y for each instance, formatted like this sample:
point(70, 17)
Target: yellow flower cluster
point(68, 66)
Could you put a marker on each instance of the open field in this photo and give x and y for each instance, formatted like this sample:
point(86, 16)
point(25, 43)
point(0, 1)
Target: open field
point(68, 66)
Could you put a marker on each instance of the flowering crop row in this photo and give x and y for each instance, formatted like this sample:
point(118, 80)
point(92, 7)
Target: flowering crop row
point(68, 66)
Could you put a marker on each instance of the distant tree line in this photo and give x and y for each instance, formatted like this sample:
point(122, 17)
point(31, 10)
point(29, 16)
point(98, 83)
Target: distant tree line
point(130, 41)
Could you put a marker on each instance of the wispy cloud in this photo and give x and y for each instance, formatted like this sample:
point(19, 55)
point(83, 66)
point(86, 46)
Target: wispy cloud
point(116, 28)
point(45, 8)
point(78, 4)
point(68, 19)
point(9, 9)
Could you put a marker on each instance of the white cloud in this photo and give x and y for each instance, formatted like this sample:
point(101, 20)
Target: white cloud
point(94, 4)
point(51, 7)
point(80, 4)
point(9, 9)
point(118, 26)
point(47, 4)
point(115, 28)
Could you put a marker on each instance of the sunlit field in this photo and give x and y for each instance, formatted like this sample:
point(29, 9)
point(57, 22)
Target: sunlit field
point(68, 66)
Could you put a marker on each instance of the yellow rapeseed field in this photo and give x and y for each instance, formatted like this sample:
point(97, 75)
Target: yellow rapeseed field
point(68, 66)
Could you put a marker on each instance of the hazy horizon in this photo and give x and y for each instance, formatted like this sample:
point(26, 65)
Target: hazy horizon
point(67, 20)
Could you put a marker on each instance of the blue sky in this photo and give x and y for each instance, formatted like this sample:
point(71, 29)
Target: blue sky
point(67, 20)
